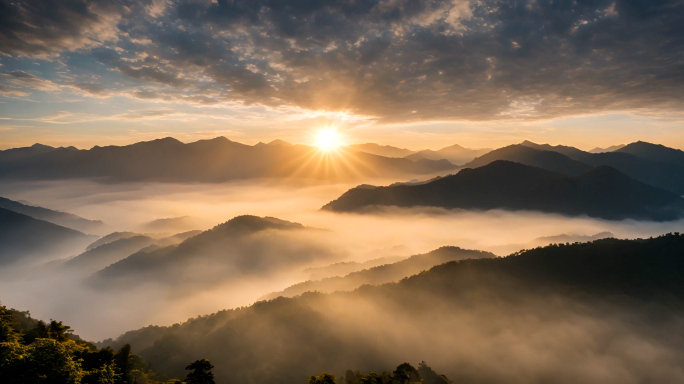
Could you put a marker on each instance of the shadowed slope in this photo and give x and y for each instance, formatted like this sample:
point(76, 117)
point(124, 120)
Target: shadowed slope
point(601, 192)
point(523, 154)
point(654, 152)
point(547, 302)
point(240, 247)
point(24, 239)
point(56, 217)
point(382, 274)
point(114, 236)
point(109, 252)
point(652, 164)
point(99, 257)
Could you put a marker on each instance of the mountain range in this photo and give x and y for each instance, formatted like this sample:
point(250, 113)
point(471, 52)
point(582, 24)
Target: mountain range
point(103, 253)
point(601, 192)
point(343, 268)
point(220, 159)
point(607, 149)
point(381, 150)
point(215, 160)
point(455, 154)
point(382, 274)
point(516, 319)
point(241, 247)
point(56, 217)
point(652, 164)
point(25, 240)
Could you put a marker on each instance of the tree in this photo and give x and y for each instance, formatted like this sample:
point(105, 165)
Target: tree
point(429, 376)
point(404, 372)
point(352, 377)
point(371, 378)
point(106, 374)
point(201, 372)
point(45, 361)
point(323, 378)
point(58, 331)
point(11, 355)
point(7, 331)
point(122, 361)
point(40, 331)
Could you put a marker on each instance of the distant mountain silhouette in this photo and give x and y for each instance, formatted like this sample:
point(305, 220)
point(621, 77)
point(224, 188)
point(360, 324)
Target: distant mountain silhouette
point(654, 152)
point(171, 224)
point(571, 152)
point(550, 160)
point(594, 297)
point(572, 161)
point(455, 154)
point(600, 192)
point(382, 274)
point(240, 247)
point(381, 150)
point(114, 236)
point(100, 256)
point(178, 238)
point(215, 160)
point(571, 238)
point(346, 267)
point(608, 149)
point(16, 154)
point(279, 142)
point(24, 239)
point(56, 217)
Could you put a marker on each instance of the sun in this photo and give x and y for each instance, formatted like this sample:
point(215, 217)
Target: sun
point(328, 139)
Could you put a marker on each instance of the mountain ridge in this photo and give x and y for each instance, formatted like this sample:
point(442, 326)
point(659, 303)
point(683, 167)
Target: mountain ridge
point(527, 293)
point(600, 192)
point(213, 160)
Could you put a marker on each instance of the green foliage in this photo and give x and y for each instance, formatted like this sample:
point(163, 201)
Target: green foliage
point(44, 361)
point(323, 378)
point(405, 373)
point(11, 354)
point(35, 352)
point(106, 374)
point(201, 372)
point(428, 376)
point(122, 361)
point(8, 333)
point(54, 330)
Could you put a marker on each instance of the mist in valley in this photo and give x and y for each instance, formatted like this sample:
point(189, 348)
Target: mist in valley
point(100, 306)
point(286, 192)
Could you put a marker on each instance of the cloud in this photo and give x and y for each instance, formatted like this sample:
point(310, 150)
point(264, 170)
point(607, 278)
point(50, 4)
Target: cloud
point(397, 60)
point(91, 88)
point(14, 81)
point(46, 27)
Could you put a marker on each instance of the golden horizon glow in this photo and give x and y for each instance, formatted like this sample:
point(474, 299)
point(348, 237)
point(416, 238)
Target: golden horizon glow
point(328, 139)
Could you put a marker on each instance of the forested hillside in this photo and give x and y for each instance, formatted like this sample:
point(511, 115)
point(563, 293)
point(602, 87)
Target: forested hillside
point(527, 313)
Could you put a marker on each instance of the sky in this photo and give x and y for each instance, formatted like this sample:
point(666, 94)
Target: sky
point(414, 74)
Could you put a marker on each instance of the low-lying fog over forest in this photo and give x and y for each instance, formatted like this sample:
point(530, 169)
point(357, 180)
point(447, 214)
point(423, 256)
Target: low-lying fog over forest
point(330, 238)
point(269, 279)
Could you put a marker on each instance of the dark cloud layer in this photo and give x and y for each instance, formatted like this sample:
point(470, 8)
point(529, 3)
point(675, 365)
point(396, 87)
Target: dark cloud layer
point(395, 59)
